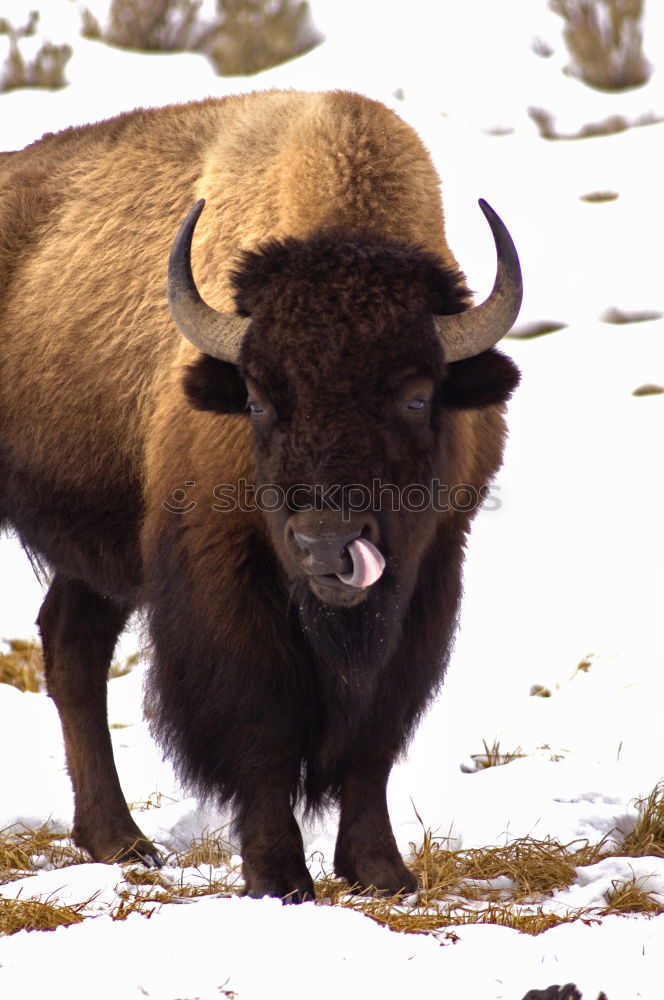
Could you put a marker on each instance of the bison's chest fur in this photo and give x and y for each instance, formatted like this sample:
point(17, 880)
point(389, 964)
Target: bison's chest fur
point(281, 680)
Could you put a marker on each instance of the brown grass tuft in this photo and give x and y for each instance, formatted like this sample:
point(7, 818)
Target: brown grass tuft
point(647, 837)
point(210, 849)
point(629, 897)
point(493, 756)
point(34, 915)
point(24, 851)
point(535, 868)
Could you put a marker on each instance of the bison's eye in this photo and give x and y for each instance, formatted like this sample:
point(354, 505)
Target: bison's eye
point(413, 399)
point(259, 405)
point(416, 405)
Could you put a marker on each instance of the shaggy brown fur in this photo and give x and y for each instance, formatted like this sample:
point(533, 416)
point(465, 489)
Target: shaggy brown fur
point(263, 688)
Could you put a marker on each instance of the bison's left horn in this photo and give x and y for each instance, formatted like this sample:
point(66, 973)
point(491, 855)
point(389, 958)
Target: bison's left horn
point(214, 333)
point(469, 333)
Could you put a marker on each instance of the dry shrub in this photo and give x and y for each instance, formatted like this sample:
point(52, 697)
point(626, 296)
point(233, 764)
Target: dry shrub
point(648, 389)
point(620, 316)
point(245, 36)
point(256, 34)
point(598, 197)
point(152, 26)
point(612, 125)
point(604, 41)
point(46, 69)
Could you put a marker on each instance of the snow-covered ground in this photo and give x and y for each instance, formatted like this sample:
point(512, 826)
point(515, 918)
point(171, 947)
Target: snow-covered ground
point(569, 568)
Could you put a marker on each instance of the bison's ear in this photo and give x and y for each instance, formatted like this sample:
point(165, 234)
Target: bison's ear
point(210, 384)
point(488, 378)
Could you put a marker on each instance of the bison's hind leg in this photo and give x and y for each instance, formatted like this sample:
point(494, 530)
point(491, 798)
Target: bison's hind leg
point(79, 630)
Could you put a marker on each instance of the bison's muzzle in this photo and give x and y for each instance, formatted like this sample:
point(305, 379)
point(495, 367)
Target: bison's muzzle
point(339, 566)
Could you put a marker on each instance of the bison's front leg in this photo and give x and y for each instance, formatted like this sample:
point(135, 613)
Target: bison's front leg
point(79, 630)
point(272, 851)
point(366, 853)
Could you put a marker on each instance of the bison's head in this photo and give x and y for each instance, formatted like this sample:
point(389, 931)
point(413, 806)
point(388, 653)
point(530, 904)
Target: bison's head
point(351, 356)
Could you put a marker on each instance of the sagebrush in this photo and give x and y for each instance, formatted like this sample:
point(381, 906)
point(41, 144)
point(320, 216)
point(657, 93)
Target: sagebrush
point(605, 41)
point(244, 37)
point(45, 69)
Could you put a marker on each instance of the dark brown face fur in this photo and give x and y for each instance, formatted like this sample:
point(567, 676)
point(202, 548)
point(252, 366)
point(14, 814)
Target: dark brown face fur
point(345, 384)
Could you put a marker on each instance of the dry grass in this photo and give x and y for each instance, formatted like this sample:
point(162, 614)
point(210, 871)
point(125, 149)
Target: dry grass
point(22, 666)
point(493, 756)
point(209, 849)
point(535, 328)
point(648, 389)
point(604, 41)
point(647, 837)
point(24, 852)
point(34, 915)
point(534, 868)
point(599, 197)
point(46, 69)
point(245, 37)
point(508, 885)
point(630, 897)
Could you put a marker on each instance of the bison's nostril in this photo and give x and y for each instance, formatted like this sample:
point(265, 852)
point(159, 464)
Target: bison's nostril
point(321, 555)
point(303, 542)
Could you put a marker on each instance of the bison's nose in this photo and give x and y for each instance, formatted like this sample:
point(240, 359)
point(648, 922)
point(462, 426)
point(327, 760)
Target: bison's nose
point(348, 560)
point(326, 554)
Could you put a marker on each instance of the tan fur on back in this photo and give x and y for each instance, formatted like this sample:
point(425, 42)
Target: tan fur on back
point(87, 218)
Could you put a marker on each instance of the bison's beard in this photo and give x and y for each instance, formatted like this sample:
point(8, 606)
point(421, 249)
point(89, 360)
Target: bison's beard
point(351, 645)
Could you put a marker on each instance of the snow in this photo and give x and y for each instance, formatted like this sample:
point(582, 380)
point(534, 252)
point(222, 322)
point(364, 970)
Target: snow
point(568, 569)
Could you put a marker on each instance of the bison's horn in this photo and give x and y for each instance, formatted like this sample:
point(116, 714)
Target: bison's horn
point(469, 333)
point(212, 332)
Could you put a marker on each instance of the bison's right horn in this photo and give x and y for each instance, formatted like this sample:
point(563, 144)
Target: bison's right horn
point(469, 333)
point(214, 333)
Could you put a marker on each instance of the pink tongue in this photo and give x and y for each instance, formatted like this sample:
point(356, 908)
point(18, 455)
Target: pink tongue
point(368, 564)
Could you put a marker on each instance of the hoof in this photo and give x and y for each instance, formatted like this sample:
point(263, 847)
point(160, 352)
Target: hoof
point(147, 855)
point(379, 880)
point(279, 889)
point(120, 849)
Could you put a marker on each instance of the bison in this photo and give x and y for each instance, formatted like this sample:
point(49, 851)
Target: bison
point(264, 451)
